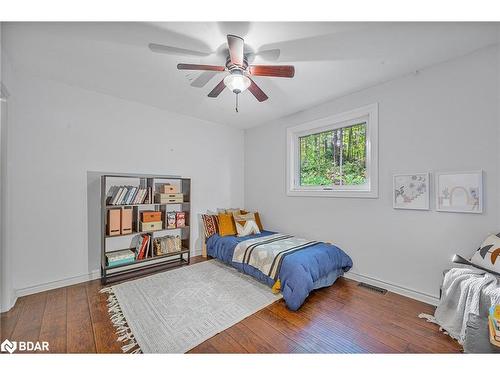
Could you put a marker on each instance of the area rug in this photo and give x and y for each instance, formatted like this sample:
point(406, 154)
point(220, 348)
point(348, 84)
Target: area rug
point(176, 310)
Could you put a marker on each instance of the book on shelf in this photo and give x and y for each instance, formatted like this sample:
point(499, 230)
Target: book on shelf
point(142, 249)
point(111, 194)
point(115, 192)
point(124, 195)
point(138, 196)
point(180, 219)
point(171, 220)
point(122, 257)
point(129, 195)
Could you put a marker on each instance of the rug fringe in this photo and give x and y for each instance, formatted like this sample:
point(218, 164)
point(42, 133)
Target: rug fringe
point(428, 317)
point(123, 331)
point(432, 319)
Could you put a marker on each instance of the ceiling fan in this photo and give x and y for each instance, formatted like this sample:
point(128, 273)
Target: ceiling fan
point(240, 72)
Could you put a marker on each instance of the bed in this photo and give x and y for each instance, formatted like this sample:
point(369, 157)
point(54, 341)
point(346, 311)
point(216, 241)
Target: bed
point(311, 265)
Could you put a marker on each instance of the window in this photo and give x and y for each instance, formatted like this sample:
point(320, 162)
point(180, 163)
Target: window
point(336, 156)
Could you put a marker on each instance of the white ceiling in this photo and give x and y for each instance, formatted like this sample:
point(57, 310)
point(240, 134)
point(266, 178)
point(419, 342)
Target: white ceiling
point(331, 60)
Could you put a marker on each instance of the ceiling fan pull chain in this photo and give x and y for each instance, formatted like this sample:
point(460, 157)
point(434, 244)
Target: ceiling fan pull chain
point(236, 108)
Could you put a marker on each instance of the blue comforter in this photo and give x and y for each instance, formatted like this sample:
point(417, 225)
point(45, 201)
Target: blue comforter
point(301, 272)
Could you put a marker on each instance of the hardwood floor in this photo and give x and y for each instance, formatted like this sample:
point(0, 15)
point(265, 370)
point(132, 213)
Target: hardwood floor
point(343, 318)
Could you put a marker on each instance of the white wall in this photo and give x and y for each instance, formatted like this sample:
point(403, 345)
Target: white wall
point(445, 118)
point(59, 135)
point(7, 297)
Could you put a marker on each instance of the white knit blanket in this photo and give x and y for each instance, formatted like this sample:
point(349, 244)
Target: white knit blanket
point(464, 291)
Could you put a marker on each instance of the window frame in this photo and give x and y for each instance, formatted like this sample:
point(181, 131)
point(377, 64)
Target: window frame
point(367, 113)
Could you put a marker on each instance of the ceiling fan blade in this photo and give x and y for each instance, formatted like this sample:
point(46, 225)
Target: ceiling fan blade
point(236, 45)
point(161, 48)
point(217, 90)
point(215, 68)
point(286, 71)
point(257, 92)
point(203, 79)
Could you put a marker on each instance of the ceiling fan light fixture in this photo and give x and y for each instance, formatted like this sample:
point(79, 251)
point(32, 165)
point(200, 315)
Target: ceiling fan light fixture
point(237, 82)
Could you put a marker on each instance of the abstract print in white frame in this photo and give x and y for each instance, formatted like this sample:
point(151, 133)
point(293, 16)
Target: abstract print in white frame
point(411, 191)
point(459, 191)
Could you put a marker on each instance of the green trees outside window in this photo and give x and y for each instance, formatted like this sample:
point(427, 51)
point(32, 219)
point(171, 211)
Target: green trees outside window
point(334, 157)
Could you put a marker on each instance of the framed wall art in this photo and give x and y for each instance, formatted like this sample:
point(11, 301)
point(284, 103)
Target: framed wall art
point(411, 191)
point(459, 191)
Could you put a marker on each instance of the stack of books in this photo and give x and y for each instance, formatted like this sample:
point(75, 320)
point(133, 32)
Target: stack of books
point(494, 324)
point(123, 195)
point(120, 258)
point(143, 250)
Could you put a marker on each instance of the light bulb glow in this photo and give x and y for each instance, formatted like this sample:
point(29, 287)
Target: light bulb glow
point(237, 82)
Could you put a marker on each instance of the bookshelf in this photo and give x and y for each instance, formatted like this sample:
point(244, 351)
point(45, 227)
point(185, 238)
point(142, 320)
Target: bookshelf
point(121, 239)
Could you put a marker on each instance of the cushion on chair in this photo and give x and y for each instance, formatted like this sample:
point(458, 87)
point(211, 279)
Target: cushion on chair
point(488, 255)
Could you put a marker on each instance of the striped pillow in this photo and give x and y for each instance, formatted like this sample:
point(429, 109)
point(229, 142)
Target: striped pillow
point(246, 228)
point(246, 224)
point(210, 225)
point(256, 218)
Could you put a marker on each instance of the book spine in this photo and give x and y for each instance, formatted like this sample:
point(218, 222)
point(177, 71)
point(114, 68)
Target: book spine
point(131, 195)
point(141, 251)
point(117, 194)
point(138, 196)
point(125, 196)
point(134, 199)
point(120, 199)
point(143, 248)
point(120, 262)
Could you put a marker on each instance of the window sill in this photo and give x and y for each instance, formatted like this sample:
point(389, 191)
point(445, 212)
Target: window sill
point(333, 193)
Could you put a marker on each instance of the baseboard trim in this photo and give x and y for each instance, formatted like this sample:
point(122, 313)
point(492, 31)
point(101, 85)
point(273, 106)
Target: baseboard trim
point(64, 282)
point(10, 304)
point(196, 253)
point(407, 292)
point(58, 284)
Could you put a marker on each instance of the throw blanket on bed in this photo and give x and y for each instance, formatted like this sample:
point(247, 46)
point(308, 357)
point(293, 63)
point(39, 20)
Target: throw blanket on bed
point(267, 253)
point(464, 291)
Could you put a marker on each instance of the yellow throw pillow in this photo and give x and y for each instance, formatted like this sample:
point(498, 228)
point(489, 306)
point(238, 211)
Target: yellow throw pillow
point(226, 225)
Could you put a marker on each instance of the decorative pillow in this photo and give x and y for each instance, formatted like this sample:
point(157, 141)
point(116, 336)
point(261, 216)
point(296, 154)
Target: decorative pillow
point(226, 225)
point(246, 227)
point(231, 211)
point(256, 218)
point(488, 254)
point(210, 225)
